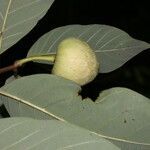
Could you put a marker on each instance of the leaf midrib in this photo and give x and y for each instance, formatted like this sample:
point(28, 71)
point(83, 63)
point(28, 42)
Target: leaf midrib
point(30, 104)
point(61, 119)
point(4, 23)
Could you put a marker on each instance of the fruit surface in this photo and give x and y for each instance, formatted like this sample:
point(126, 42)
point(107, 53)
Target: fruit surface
point(76, 61)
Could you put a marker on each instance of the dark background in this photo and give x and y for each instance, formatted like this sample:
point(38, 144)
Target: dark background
point(130, 16)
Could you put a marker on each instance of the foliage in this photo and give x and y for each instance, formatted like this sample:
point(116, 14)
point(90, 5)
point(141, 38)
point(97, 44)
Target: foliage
point(47, 111)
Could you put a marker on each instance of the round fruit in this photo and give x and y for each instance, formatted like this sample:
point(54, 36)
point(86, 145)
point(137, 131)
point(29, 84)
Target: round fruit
point(75, 60)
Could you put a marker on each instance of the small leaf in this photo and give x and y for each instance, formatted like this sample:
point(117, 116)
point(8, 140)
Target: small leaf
point(113, 46)
point(26, 133)
point(18, 17)
point(119, 114)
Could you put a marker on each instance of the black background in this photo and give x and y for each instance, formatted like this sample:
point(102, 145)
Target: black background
point(130, 16)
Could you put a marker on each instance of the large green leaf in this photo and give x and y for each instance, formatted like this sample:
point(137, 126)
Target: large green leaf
point(25, 133)
point(113, 46)
point(18, 17)
point(119, 114)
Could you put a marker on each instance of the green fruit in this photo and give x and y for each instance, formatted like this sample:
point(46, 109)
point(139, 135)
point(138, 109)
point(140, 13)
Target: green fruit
point(76, 61)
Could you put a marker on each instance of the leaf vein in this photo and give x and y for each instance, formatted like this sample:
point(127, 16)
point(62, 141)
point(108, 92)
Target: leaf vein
point(29, 4)
point(84, 32)
point(78, 144)
point(22, 139)
point(14, 125)
point(100, 29)
point(29, 19)
point(59, 38)
point(29, 104)
point(118, 49)
point(46, 41)
point(4, 23)
point(104, 36)
point(114, 38)
point(1, 16)
point(12, 35)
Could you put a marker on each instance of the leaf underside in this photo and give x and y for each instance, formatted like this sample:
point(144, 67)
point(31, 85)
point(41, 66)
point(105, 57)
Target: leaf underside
point(26, 133)
point(113, 46)
point(18, 17)
point(119, 114)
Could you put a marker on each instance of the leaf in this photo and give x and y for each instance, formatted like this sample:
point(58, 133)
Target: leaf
point(12, 78)
point(18, 17)
point(9, 80)
point(119, 114)
point(25, 133)
point(113, 46)
point(21, 109)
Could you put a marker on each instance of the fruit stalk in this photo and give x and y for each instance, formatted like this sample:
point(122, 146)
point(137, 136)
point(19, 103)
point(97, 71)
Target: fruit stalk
point(50, 58)
point(19, 63)
point(75, 60)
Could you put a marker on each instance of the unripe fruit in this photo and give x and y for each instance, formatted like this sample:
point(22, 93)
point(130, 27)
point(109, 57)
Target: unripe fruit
point(75, 60)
